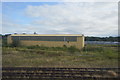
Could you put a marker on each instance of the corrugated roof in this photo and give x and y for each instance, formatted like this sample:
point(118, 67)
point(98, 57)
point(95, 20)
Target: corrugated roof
point(46, 35)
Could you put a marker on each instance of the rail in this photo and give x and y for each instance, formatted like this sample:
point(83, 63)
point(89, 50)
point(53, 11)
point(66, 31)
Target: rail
point(39, 73)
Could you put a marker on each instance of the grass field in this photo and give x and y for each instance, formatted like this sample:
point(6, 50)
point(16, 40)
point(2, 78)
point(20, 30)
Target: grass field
point(36, 56)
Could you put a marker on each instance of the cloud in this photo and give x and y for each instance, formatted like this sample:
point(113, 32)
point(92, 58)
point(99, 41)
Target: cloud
point(88, 18)
point(59, 0)
point(98, 19)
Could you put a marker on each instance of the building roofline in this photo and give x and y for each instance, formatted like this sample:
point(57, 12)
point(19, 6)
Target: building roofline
point(47, 35)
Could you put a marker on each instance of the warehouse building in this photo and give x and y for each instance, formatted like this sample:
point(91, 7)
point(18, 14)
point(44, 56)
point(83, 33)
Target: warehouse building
point(49, 40)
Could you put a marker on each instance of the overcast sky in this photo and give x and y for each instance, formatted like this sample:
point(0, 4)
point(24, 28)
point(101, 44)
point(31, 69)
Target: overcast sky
point(88, 18)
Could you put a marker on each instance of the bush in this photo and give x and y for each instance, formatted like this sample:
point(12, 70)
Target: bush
point(64, 46)
point(72, 49)
point(93, 48)
point(37, 47)
point(58, 48)
point(15, 43)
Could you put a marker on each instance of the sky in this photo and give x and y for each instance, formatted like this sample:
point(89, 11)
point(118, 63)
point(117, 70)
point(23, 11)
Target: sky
point(88, 18)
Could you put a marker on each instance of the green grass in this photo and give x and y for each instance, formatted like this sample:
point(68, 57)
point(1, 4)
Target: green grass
point(40, 56)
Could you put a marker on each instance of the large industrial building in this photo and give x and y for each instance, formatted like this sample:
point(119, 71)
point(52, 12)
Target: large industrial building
point(49, 40)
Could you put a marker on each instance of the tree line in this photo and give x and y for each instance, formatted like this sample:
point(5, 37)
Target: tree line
point(110, 38)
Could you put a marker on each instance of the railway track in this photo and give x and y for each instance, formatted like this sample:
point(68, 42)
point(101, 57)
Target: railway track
point(35, 73)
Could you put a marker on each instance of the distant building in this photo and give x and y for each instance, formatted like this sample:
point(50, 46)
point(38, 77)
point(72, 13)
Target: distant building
point(49, 40)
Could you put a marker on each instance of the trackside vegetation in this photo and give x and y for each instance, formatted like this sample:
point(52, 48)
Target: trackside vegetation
point(41, 56)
